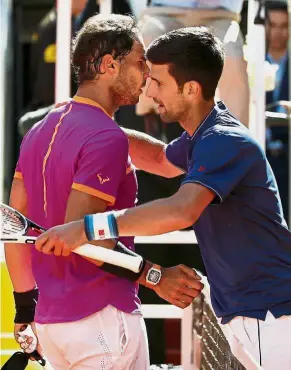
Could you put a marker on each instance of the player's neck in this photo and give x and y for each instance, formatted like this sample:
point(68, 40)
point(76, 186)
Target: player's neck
point(101, 96)
point(196, 116)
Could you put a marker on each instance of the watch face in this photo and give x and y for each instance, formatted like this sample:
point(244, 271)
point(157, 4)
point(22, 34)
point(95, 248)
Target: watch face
point(154, 276)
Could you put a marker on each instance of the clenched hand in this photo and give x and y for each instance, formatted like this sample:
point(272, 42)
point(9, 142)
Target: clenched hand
point(179, 285)
point(62, 240)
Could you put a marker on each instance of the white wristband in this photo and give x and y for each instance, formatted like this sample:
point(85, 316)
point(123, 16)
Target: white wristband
point(101, 226)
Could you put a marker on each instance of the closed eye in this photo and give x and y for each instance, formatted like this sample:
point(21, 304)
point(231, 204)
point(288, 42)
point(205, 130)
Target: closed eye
point(157, 81)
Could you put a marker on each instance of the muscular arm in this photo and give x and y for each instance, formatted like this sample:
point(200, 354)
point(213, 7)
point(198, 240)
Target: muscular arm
point(149, 154)
point(153, 218)
point(18, 256)
point(165, 215)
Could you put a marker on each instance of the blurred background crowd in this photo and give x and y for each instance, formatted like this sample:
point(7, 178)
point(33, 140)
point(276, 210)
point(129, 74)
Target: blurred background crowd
point(31, 92)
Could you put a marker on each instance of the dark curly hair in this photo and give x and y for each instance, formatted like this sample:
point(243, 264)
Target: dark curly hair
point(114, 34)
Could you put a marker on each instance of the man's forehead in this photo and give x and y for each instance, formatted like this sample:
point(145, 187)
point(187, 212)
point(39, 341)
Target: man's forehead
point(159, 71)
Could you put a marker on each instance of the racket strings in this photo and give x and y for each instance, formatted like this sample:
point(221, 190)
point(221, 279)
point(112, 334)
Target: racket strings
point(11, 222)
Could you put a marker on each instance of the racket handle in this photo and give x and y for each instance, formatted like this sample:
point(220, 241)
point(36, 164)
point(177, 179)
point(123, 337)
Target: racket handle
point(91, 251)
point(26, 331)
point(110, 256)
point(31, 350)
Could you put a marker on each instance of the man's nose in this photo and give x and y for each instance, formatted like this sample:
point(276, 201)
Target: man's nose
point(149, 89)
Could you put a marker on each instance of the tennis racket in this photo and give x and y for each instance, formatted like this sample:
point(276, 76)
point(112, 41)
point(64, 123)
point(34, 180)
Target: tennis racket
point(15, 226)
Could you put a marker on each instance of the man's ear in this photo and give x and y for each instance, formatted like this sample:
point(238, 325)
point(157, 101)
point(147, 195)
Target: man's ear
point(108, 65)
point(192, 89)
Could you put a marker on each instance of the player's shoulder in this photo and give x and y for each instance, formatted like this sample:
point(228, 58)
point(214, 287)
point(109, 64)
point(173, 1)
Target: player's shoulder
point(228, 128)
point(43, 127)
point(110, 136)
point(52, 116)
point(36, 129)
point(115, 135)
point(180, 139)
point(227, 133)
point(91, 117)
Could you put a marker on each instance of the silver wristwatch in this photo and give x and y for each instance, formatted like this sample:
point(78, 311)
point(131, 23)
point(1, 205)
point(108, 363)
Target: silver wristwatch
point(154, 275)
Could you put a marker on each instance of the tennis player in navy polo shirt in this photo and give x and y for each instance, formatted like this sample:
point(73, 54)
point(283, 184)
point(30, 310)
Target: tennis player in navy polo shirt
point(229, 195)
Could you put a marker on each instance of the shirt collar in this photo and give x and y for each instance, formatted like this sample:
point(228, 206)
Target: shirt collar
point(209, 120)
point(91, 102)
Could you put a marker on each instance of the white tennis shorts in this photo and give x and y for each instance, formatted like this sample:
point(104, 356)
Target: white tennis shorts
point(107, 340)
point(269, 341)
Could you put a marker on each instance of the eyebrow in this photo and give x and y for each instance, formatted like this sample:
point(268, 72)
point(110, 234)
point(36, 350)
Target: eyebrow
point(155, 79)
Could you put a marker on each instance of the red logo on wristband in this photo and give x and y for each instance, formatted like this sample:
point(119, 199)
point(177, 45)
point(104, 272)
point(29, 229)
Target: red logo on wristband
point(101, 233)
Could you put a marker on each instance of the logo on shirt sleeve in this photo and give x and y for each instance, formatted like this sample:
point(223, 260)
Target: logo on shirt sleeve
point(102, 179)
point(201, 169)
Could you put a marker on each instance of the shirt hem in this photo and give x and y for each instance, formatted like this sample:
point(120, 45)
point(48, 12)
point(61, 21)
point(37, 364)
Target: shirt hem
point(96, 193)
point(257, 315)
point(18, 175)
point(40, 319)
point(207, 186)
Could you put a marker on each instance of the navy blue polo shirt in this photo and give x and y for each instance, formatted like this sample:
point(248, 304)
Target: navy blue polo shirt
point(243, 237)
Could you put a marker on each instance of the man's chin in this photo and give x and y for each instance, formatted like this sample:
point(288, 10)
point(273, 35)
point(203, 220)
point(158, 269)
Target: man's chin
point(165, 118)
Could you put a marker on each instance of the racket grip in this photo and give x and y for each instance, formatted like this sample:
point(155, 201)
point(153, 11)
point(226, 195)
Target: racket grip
point(27, 332)
point(31, 350)
point(133, 263)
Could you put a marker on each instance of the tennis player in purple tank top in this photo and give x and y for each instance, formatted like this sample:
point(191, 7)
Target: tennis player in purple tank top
point(76, 162)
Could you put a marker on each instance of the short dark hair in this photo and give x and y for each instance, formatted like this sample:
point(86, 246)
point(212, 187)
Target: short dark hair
point(193, 53)
point(276, 5)
point(100, 35)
